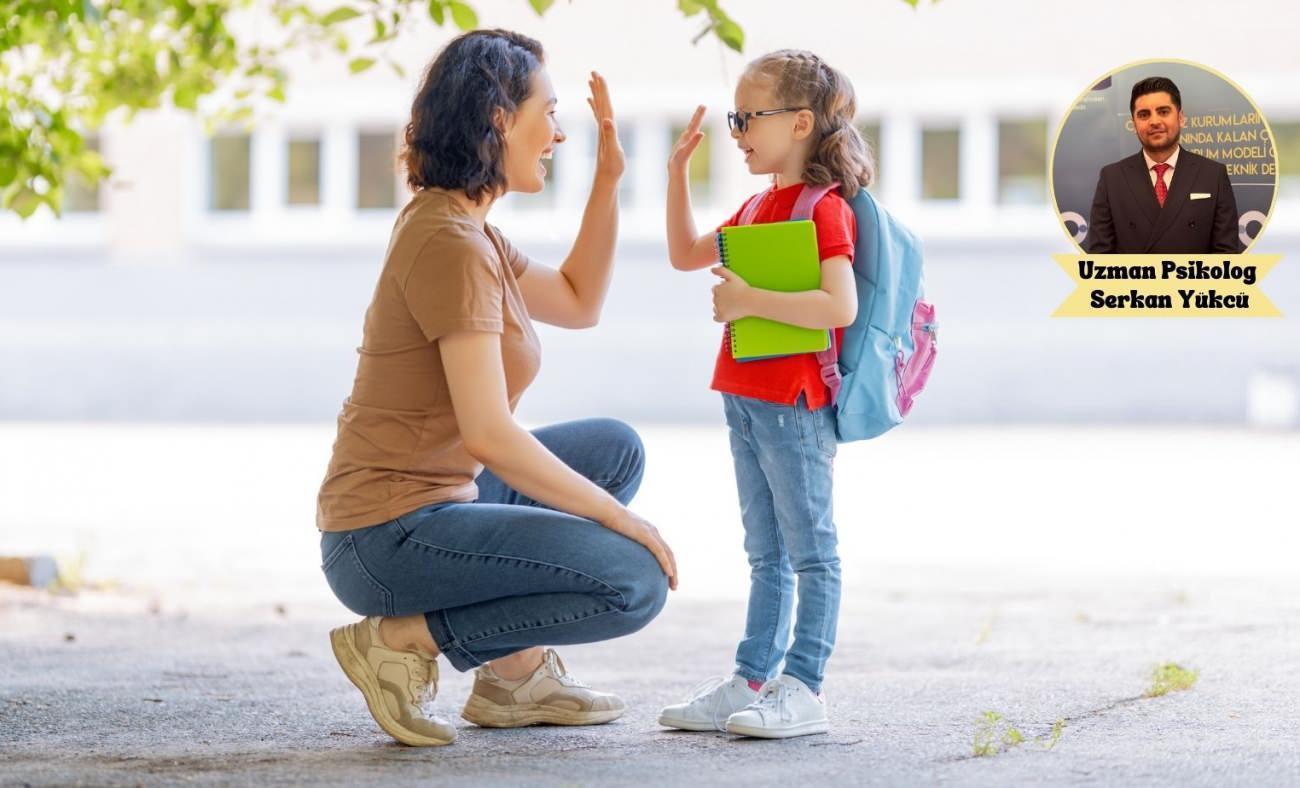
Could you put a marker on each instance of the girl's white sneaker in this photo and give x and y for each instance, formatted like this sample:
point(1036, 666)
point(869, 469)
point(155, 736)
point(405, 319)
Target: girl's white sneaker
point(709, 705)
point(784, 707)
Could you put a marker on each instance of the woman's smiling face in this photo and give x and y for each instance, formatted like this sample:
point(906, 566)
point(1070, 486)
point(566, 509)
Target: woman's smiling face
point(531, 135)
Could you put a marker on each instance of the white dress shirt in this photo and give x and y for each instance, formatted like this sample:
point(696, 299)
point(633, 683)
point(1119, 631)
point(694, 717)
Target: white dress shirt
point(1172, 161)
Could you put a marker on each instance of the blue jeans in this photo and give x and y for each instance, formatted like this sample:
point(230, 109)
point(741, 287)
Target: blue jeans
point(504, 573)
point(784, 456)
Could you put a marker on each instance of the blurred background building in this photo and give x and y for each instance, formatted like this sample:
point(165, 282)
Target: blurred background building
point(225, 277)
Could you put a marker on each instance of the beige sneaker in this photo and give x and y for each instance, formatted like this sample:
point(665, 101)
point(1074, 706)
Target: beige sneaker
point(550, 696)
point(399, 686)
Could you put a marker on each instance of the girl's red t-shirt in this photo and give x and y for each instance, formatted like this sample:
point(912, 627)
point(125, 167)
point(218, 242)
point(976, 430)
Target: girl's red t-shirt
point(781, 380)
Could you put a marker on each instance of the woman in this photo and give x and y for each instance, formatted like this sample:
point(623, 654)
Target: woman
point(452, 529)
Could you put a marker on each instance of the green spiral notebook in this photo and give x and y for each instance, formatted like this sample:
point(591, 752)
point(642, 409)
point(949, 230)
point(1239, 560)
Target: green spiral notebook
point(774, 256)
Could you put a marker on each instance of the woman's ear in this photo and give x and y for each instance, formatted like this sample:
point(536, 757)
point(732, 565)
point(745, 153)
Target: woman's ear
point(502, 120)
point(804, 123)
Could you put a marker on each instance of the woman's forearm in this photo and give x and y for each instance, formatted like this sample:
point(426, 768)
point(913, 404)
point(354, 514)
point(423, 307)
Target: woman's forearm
point(522, 462)
point(590, 262)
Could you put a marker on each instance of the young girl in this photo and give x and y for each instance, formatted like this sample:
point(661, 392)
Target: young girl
point(793, 121)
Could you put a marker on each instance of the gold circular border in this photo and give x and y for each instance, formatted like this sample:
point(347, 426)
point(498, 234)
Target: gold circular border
point(1051, 155)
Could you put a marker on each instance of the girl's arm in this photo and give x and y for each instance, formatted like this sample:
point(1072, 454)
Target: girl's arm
point(573, 295)
point(833, 305)
point(476, 379)
point(687, 249)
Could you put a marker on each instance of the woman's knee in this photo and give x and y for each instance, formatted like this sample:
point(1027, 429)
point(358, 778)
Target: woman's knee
point(624, 457)
point(627, 440)
point(644, 588)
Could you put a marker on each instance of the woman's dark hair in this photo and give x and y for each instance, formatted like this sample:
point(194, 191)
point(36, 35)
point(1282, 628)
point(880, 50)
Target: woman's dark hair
point(1155, 85)
point(451, 141)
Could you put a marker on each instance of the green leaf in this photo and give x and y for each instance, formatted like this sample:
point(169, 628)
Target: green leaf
point(462, 15)
point(340, 14)
point(8, 171)
point(276, 93)
point(436, 12)
point(541, 6)
point(24, 202)
point(359, 64)
point(185, 97)
point(730, 34)
point(690, 7)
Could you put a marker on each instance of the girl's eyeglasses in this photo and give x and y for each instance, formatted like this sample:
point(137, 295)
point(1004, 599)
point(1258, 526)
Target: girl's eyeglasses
point(739, 121)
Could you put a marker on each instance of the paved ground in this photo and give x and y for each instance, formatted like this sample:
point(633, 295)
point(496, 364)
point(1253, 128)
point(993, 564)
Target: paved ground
point(120, 687)
point(1040, 574)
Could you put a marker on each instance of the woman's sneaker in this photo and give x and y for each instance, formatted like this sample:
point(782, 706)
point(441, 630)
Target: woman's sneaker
point(785, 707)
point(709, 705)
point(549, 696)
point(399, 686)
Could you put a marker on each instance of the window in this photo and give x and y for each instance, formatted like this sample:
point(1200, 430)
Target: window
point(699, 173)
point(229, 160)
point(871, 133)
point(304, 171)
point(377, 170)
point(79, 196)
point(1286, 140)
point(1022, 162)
point(940, 164)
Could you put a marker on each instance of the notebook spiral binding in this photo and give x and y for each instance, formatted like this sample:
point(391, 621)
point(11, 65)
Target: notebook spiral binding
point(721, 242)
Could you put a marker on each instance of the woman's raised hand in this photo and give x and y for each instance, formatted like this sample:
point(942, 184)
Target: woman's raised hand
point(636, 528)
point(609, 152)
point(686, 144)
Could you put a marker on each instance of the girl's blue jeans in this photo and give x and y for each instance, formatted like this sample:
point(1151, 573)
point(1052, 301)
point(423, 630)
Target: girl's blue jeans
point(784, 456)
point(504, 573)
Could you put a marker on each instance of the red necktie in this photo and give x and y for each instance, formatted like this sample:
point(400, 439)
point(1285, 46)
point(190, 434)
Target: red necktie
point(1162, 191)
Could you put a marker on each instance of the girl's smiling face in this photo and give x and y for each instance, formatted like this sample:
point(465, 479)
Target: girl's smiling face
point(769, 142)
point(531, 134)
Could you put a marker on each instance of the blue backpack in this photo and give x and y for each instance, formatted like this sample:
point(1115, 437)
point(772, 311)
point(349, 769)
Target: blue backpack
point(890, 347)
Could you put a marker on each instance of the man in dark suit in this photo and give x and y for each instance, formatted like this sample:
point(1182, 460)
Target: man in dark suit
point(1162, 200)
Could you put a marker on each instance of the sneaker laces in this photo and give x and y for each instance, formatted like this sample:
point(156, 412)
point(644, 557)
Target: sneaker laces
point(774, 697)
point(562, 673)
point(424, 699)
point(703, 690)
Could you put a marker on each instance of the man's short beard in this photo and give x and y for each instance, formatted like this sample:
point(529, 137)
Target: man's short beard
point(1178, 133)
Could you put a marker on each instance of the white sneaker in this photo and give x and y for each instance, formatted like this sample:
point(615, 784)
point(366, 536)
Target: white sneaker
point(710, 704)
point(784, 707)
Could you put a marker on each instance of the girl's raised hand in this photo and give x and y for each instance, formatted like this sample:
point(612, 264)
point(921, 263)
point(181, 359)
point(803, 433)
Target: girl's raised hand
point(686, 144)
point(609, 151)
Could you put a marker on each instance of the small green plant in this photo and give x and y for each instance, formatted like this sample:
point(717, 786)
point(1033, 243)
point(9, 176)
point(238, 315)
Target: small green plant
point(1170, 677)
point(986, 735)
point(995, 735)
point(1058, 728)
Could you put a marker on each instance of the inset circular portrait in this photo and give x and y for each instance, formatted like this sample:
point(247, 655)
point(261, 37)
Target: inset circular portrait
point(1164, 157)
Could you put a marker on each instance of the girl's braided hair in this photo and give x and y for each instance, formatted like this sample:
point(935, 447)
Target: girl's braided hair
point(839, 152)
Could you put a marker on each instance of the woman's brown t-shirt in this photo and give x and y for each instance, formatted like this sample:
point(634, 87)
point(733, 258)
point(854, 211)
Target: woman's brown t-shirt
point(398, 446)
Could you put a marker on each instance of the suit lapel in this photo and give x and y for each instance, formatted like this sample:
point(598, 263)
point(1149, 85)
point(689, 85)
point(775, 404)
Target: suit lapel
point(1139, 181)
point(1180, 186)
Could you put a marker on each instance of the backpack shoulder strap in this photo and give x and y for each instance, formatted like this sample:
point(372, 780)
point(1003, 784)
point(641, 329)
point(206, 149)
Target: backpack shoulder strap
point(827, 359)
point(808, 198)
point(751, 207)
